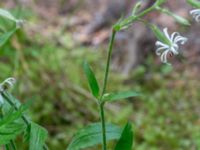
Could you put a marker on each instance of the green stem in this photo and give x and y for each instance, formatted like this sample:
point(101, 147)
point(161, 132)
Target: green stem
point(101, 104)
point(108, 62)
point(133, 18)
point(103, 126)
point(26, 121)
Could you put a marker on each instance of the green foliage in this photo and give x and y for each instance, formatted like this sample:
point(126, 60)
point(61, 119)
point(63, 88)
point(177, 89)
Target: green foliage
point(4, 13)
point(110, 97)
point(9, 128)
point(136, 8)
point(6, 36)
point(126, 140)
point(194, 3)
point(151, 133)
point(92, 135)
point(37, 136)
point(159, 34)
point(10, 131)
point(159, 2)
point(12, 116)
point(91, 79)
point(178, 18)
point(14, 123)
point(125, 23)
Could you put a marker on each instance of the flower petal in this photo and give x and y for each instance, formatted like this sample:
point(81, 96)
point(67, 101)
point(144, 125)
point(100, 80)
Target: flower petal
point(165, 30)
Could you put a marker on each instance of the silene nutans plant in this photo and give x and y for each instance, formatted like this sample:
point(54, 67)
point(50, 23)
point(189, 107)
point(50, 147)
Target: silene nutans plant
point(14, 121)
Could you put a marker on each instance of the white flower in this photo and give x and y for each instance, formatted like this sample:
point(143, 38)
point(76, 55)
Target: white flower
point(6, 84)
point(196, 14)
point(170, 48)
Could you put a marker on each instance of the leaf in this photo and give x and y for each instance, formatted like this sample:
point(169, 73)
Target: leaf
point(92, 135)
point(11, 126)
point(6, 36)
point(159, 34)
point(194, 3)
point(91, 79)
point(136, 7)
point(26, 137)
point(12, 116)
point(10, 131)
point(178, 18)
point(37, 137)
point(126, 140)
point(119, 96)
point(4, 13)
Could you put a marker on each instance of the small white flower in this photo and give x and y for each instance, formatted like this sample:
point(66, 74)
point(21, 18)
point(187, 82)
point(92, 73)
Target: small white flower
point(6, 84)
point(170, 48)
point(195, 14)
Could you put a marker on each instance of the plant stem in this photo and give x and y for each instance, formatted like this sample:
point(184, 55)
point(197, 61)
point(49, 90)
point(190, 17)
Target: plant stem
point(26, 121)
point(134, 18)
point(108, 62)
point(101, 104)
point(103, 126)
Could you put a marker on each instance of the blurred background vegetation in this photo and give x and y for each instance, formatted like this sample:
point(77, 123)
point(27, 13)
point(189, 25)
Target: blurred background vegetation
point(46, 58)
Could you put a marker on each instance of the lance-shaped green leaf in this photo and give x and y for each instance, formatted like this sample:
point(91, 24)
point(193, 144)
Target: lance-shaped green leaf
point(159, 34)
point(13, 115)
point(126, 140)
point(92, 135)
point(178, 18)
point(91, 79)
point(194, 3)
point(10, 131)
point(9, 127)
point(4, 13)
point(136, 7)
point(37, 137)
point(110, 97)
point(6, 36)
